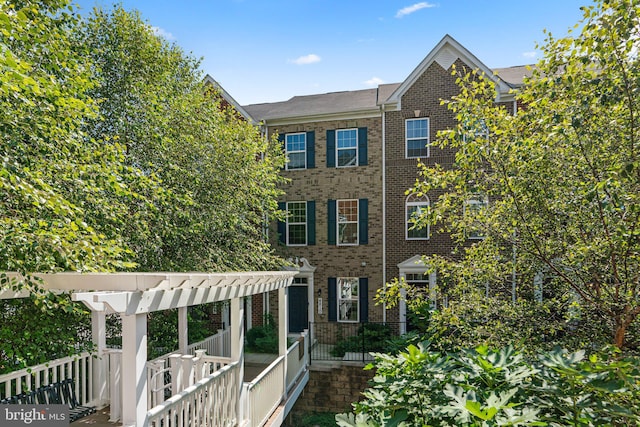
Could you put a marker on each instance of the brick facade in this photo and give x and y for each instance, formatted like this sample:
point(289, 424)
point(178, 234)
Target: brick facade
point(332, 389)
point(385, 113)
point(324, 183)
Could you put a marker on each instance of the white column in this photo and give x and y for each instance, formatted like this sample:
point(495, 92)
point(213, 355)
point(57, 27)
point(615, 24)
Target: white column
point(183, 330)
point(100, 366)
point(283, 328)
point(237, 345)
point(134, 375)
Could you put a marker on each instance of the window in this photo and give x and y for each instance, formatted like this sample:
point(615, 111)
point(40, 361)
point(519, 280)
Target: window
point(415, 206)
point(296, 223)
point(296, 150)
point(299, 226)
point(347, 222)
point(417, 138)
point(348, 299)
point(347, 147)
point(473, 209)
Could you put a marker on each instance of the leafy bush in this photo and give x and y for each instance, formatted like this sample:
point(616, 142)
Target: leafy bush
point(263, 339)
point(482, 387)
point(370, 337)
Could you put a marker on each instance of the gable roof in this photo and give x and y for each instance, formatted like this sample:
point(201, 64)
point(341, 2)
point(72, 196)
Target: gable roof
point(445, 53)
point(368, 102)
point(208, 80)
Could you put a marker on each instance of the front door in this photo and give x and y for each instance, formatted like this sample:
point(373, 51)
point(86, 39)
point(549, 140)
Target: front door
point(298, 308)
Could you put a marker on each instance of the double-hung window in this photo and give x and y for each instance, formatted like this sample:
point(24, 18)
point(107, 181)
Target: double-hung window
point(474, 208)
point(296, 150)
point(298, 227)
point(347, 147)
point(415, 207)
point(347, 222)
point(348, 299)
point(417, 138)
point(296, 223)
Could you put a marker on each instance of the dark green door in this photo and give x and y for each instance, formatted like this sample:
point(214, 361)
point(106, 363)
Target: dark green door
point(298, 309)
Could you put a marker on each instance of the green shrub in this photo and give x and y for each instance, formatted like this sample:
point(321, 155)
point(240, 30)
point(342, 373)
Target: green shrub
point(263, 339)
point(497, 388)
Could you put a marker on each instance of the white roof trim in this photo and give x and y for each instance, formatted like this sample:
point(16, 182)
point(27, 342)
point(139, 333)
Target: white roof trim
point(414, 263)
point(346, 115)
point(210, 80)
point(446, 52)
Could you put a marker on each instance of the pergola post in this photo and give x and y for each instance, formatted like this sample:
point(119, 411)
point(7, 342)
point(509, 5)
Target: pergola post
point(183, 330)
point(237, 343)
point(101, 365)
point(283, 328)
point(134, 375)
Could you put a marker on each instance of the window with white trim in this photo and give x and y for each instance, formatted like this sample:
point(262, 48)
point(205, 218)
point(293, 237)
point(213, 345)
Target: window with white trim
point(346, 147)
point(416, 206)
point(416, 138)
point(296, 150)
point(473, 209)
point(348, 299)
point(347, 216)
point(296, 223)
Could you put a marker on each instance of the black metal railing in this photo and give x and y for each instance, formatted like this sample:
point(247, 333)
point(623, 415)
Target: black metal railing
point(353, 341)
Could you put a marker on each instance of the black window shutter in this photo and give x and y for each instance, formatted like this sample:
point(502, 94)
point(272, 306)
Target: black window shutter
point(362, 146)
point(333, 300)
point(282, 226)
point(364, 299)
point(363, 221)
point(282, 145)
point(311, 150)
point(331, 223)
point(311, 222)
point(331, 148)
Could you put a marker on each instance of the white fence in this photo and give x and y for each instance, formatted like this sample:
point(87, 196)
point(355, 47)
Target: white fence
point(78, 367)
point(265, 393)
point(216, 345)
point(297, 359)
point(212, 402)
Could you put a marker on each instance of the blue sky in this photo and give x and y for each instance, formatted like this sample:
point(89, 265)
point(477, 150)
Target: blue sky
point(271, 50)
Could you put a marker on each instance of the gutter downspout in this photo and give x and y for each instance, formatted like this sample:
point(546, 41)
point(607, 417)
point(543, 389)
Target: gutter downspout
point(384, 210)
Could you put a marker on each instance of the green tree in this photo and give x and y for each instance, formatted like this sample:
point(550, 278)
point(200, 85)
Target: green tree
point(219, 172)
point(63, 195)
point(562, 177)
point(50, 170)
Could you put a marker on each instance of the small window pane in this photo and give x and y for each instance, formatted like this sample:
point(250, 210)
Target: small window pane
point(348, 302)
point(296, 147)
point(297, 223)
point(347, 222)
point(347, 147)
point(417, 137)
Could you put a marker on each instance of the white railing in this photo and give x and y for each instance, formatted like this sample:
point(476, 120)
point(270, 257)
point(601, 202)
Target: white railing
point(78, 367)
point(216, 345)
point(210, 402)
point(265, 393)
point(297, 359)
point(115, 383)
point(175, 372)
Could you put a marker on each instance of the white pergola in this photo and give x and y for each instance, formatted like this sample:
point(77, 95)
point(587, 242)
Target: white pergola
point(134, 295)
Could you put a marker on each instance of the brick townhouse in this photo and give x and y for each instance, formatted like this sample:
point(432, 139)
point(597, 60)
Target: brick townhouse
point(352, 156)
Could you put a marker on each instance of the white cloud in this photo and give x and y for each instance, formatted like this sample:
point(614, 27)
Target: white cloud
point(413, 8)
point(530, 55)
point(163, 33)
point(374, 81)
point(307, 59)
